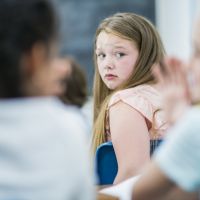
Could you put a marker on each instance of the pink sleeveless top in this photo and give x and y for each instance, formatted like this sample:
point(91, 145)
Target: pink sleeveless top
point(147, 101)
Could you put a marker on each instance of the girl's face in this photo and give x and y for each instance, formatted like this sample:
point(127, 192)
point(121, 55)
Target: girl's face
point(116, 59)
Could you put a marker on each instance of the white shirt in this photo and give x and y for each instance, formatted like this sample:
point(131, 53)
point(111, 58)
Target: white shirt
point(179, 156)
point(87, 111)
point(43, 155)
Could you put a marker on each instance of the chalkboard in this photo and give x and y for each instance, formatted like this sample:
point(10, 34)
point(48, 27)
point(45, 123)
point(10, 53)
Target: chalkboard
point(80, 18)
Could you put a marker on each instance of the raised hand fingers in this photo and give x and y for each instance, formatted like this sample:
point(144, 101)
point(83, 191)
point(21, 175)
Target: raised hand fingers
point(194, 81)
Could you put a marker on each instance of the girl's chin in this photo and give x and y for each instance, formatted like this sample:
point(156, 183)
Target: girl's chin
point(111, 87)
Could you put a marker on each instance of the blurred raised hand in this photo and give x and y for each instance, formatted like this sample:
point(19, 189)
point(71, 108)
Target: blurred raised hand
point(172, 78)
point(194, 80)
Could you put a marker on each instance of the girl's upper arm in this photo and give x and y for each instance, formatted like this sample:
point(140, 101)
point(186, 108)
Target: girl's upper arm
point(130, 138)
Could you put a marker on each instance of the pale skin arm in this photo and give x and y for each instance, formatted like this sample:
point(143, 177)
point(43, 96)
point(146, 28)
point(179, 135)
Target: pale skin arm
point(155, 185)
point(130, 138)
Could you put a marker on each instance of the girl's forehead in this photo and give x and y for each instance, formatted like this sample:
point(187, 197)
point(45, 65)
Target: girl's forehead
point(107, 37)
point(111, 40)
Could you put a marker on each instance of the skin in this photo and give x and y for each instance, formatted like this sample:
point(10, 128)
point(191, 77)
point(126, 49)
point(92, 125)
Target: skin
point(37, 70)
point(135, 136)
point(173, 79)
point(61, 69)
point(161, 188)
point(195, 62)
point(116, 58)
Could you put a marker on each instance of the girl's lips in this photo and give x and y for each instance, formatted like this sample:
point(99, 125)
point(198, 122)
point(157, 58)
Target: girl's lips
point(110, 76)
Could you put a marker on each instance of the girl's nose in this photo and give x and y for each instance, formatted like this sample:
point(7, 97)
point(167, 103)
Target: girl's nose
point(109, 64)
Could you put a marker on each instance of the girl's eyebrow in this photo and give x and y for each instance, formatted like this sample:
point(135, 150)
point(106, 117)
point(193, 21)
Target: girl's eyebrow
point(98, 50)
point(114, 47)
point(119, 47)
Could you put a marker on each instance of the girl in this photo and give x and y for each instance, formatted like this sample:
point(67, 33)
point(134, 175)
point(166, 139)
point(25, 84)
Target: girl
point(127, 103)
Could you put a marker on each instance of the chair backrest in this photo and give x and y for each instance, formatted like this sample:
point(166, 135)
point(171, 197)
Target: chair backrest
point(154, 144)
point(106, 162)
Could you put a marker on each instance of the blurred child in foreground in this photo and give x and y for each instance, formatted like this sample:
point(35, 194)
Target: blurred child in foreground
point(43, 154)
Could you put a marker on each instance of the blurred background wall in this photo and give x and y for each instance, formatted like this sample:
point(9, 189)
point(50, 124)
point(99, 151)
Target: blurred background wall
point(80, 18)
point(174, 20)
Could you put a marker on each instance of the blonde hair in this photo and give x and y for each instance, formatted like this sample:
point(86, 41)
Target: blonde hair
point(142, 32)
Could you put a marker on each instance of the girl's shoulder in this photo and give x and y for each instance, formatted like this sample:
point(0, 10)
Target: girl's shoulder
point(137, 95)
point(145, 99)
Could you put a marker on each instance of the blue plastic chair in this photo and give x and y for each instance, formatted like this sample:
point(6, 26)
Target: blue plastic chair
point(154, 144)
point(106, 162)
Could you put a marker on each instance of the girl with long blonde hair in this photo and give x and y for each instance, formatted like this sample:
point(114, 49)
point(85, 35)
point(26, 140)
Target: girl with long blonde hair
point(127, 103)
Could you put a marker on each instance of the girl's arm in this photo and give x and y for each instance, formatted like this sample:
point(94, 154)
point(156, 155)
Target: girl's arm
point(130, 138)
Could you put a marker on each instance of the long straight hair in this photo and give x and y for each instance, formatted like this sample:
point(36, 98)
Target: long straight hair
point(143, 34)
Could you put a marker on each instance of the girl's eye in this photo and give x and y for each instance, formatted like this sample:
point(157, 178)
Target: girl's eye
point(119, 55)
point(101, 55)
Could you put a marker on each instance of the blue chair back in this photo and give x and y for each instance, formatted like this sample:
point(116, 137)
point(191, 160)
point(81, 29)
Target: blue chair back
point(106, 162)
point(154, 144)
